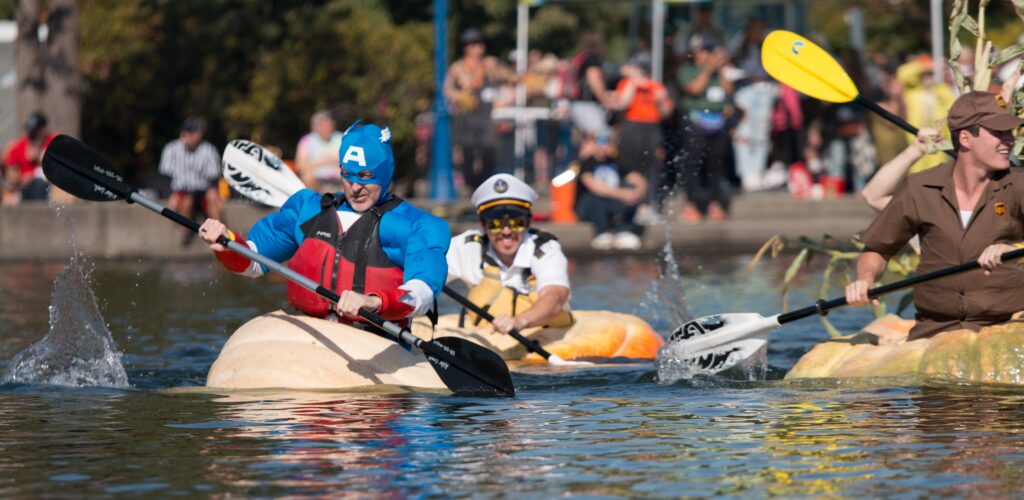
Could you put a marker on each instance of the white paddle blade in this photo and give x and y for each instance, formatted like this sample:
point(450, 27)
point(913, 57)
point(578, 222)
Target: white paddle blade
point(257, 174)
point(713, 344)
point(675, 363)
point(713, 332)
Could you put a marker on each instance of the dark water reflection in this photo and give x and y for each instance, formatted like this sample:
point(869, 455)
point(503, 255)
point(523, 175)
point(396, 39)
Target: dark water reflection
point(598, 433)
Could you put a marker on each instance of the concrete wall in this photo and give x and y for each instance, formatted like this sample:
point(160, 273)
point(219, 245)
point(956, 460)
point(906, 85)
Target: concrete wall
point(117, 230)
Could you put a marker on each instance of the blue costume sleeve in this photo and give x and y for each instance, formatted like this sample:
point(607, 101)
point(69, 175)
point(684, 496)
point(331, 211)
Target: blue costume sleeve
point(417, 242)
point(277, 235)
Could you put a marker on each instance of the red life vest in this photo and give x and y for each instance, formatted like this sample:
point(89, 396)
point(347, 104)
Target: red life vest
point(339, 261)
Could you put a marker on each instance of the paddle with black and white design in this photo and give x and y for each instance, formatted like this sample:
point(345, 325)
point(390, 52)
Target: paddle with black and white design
point(714, 343)
point(258, 174)
point(466, 368)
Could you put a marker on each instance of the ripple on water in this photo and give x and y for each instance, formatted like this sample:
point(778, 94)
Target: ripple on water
point(610, 431)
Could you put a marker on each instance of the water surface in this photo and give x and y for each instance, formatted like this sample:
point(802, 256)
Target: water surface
point(596, 433)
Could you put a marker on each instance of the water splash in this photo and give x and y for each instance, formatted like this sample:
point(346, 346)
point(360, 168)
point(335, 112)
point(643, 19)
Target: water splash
point(79, 350)
point(674, 366)
point(665, 300)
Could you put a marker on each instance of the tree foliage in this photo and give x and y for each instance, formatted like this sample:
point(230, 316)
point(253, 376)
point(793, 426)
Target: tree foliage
point(259, 69)
point(896, 27)
point(252, 69)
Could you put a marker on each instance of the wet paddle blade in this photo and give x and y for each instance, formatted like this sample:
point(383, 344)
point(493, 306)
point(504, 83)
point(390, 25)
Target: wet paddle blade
point(674, 364)
point(718, 342)
point(257, 174)
point(803, 65)
point(77, 169)
point(480, 372)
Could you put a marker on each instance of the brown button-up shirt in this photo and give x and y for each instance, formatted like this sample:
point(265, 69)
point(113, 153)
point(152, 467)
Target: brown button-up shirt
point(926, 205)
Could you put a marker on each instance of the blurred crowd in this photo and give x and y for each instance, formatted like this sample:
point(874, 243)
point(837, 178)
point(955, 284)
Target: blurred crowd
point(717, 125)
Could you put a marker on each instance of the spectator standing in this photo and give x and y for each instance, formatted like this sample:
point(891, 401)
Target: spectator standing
point(24, 176)
point(316, 156)
point(503, 106)
point(541, 90)
point(850, 153)
point(608, 196)
point(703, 25)
point(560, 90)
point(889, 139)
point(194, 168)
point(787, 126)
point(927, 102)
point(646, 104)
point(590, 97)
point(470, 90)
point(755, 96)
point(705, 154)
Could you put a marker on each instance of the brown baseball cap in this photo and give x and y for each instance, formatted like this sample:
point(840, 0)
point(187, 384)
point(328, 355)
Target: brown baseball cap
point(987, 109)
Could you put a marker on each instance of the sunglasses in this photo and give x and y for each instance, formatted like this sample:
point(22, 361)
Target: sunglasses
point(517, 224)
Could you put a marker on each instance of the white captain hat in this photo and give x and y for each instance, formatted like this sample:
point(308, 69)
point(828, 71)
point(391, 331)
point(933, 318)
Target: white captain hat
point(503, 190)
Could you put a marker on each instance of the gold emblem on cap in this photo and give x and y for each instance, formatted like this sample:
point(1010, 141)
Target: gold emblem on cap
point(1000, 208)
point(500, 186)
point(1000, 101)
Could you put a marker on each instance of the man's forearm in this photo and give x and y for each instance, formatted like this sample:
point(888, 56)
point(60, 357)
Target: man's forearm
point(878, 192)
point(870, 266)
point(547, 306)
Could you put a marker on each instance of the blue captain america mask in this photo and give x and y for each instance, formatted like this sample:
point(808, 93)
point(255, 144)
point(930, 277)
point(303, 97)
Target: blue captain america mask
point(366, 156)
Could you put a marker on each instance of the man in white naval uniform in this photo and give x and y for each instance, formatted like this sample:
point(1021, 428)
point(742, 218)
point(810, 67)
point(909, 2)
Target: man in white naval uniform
point(516, 273)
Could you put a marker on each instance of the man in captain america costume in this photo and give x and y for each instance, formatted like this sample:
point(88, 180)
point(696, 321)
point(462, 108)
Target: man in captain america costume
point(369, 246)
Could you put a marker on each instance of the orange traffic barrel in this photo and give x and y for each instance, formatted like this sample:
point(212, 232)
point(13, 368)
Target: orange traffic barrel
point(563, 197)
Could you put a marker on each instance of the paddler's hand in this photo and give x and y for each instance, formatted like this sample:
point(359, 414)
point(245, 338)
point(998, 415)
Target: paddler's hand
point(925, 141)
point(992, 256)
point(351, 302)
point(506, 323)
point(210, 231)
point(857, 293)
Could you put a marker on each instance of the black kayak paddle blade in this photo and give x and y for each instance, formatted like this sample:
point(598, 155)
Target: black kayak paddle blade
point(480, 371)
point(77, 169)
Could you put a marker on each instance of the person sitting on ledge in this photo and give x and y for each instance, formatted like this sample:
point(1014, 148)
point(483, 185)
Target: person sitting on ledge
point(608, 196)
point(516, 273)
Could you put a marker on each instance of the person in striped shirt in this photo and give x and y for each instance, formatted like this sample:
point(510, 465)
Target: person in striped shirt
point(194, 168)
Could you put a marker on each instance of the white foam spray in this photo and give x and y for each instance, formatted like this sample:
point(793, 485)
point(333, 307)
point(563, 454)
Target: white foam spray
point(78, 350)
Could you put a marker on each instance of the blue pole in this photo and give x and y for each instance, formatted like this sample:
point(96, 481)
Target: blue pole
point(442, 186)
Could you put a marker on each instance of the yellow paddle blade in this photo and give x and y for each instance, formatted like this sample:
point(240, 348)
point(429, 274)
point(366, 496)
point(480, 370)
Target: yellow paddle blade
point(803, 65)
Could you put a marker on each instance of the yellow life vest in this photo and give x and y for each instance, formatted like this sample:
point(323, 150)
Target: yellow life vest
point(498, 299)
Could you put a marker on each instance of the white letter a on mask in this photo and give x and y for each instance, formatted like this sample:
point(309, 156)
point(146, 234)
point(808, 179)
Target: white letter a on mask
point(356, 154)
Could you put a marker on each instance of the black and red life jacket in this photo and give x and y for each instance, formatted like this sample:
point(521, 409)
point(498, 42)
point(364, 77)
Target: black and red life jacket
point(338, 261)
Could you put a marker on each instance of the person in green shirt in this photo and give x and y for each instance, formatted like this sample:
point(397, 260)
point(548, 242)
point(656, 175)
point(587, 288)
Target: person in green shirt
point(705, 138)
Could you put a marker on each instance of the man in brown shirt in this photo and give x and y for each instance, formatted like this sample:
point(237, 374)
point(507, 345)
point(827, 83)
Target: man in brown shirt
point(971, 208)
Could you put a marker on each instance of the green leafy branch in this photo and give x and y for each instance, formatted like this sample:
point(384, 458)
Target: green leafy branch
point(839, 272)
point(984, 60)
